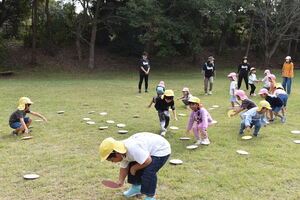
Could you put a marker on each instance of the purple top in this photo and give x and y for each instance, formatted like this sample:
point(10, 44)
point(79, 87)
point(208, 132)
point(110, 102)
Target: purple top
point(200, 116)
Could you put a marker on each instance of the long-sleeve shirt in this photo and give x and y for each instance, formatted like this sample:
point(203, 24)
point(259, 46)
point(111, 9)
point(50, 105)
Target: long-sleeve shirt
point(200, 116)
point(252, 115)
point(252, 79)
point(288, 70)
point(243, 68)
point(162, 105)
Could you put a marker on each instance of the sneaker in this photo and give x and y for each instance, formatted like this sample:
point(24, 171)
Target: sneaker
point(14, 133)
point(149, 198)
point(254, 94)
point(133, 191)
point(198, 142)
point(206, 94)
point(140, 91)
point(283, 119)
point(163, 133)
point(209, 92)
point(146, 91)
point(271, 120)
point(205, 142)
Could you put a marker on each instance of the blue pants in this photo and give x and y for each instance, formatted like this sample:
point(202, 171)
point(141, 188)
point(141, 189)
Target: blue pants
point(255, 123)
point(287, 84)
point(147, 177)
point(16, 125)
point(283, 98)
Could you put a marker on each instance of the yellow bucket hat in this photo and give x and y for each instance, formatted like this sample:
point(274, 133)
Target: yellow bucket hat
point(109, 145)
point(194, 100)
point(263, 104)
point(168, 93)
point(23, 101)
point(278, 85)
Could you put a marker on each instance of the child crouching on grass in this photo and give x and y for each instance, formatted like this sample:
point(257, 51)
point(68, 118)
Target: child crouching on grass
point(247, 104)
point(255, 117)
point(281, 94)
point(202, 118)
point(186, 96)
point(18, 121)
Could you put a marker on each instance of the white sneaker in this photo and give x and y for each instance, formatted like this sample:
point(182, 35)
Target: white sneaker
point(163, 133)
point(210, 92)
point(205, 142)
point(198, 142)
point(206, 94)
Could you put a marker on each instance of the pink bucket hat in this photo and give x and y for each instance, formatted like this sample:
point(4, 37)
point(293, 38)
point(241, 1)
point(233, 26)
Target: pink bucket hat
point(267, 72)
point(272, 76)
point(241, 94)
point(161, 84)
point(232, 75)
point(185, 89)
point(263, 91)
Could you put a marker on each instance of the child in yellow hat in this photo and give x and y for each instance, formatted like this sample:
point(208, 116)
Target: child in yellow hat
point(162, 105)
point(141, 156)
point(18, 119)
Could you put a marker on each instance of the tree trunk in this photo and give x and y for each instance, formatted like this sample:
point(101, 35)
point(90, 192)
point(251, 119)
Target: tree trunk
point(93, 37)
point(34, 31)
point(49, 45)
point(250, 35)
point(222, 39)
point(78, 43)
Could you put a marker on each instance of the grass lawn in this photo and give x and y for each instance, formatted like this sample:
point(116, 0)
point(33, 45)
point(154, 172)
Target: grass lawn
point(64, 151)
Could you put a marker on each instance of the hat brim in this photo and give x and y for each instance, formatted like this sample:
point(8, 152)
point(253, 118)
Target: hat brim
point(119, 147)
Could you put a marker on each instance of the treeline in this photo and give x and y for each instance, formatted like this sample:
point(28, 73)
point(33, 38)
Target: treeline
point(161, 27)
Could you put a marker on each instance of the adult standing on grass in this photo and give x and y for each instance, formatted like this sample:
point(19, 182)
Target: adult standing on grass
point(287, 74)
point(243, 71)
point(144, 68)
point(209, 72)
point(141, 156)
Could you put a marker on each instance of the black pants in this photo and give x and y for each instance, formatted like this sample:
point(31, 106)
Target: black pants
point(241, 77)
point(252, 88)
point(143, 76)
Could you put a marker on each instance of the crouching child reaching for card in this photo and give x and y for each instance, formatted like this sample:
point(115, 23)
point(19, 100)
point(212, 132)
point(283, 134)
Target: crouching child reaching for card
point(141, 156)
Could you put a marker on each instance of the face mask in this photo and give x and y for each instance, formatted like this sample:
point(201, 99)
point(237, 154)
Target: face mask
point(245, 61)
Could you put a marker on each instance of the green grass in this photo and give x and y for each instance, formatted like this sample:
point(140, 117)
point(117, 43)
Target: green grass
point(64, 151)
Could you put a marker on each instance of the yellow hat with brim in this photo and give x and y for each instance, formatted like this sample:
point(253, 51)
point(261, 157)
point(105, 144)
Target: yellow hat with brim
point(168, 93)
point(109, 145)
point(23, 101)
point(263, 104)
point(194, 100)
point(278, 85)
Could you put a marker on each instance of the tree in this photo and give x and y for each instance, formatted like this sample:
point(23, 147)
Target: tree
point(34, 31)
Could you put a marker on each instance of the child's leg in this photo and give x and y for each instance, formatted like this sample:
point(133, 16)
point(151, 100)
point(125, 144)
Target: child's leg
point(162, 120)
point(196, 132)
point(257, 126)
point(270, 114)
point(167, 119)
point(27, 121)
point(205, 84)
point(149, 177)
point(276, 112)
point(242, 127)
point(211, 82)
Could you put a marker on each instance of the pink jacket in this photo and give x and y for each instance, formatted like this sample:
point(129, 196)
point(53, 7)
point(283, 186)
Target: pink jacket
point(200, 116)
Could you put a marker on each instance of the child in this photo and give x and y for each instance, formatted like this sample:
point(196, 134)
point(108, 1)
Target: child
point(209, 72)
point(233, 88)
point(160, 89)
point(246, 103)
point(272, 79)
point(141, 156)
point(18, 121)
point(202, 118)
point(275, 103)
point(162, 105)
point(281, 94)
point(265, 80)
point(255, 117)
point(252, 80)
point(186, 96)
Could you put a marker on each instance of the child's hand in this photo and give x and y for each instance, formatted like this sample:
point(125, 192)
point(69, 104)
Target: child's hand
point(132, 171)
point(175, 119)
point(120, 183)
point(187, 132)
point(45, 120)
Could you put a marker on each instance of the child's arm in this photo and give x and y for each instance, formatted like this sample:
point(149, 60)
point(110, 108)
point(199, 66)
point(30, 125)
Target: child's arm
point(152, 101)
point(237, 111)
point(138, 166)
point(174, 114)
point(122, 175)
point(190, 124)
point(39, 115)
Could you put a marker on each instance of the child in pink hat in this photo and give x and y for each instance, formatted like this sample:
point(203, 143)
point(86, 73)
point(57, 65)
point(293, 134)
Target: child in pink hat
point(275, 102)
point(233, 88)
point(265, 80)
point(272, 81)
point(160, 89)
point(186, 96)
point(247, 104)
